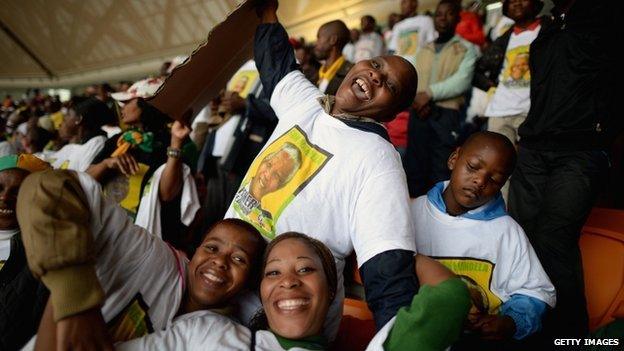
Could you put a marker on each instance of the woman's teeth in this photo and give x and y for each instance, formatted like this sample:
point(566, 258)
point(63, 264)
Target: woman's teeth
point(213, 278)
point(292, 304)
point(364, 87)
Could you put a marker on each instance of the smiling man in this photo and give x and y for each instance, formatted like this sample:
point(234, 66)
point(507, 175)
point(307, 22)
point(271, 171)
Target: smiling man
point(350, 191)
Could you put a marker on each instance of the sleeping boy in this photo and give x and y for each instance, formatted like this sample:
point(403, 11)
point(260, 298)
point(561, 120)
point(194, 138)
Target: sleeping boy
point(463, 224)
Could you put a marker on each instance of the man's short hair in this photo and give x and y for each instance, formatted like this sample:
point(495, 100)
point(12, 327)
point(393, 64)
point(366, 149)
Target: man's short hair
point(339, 28)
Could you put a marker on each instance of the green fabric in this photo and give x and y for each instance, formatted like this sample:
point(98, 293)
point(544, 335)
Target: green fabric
point(8, 162)
point(316, 342)
point(146, 143)
point(433, 321)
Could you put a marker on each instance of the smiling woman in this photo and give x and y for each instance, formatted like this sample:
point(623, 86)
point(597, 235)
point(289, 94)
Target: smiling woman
point(298, 286)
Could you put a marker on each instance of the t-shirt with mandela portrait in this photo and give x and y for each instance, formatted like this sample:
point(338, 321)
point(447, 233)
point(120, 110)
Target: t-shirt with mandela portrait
point(317, 175)
point(513, 93)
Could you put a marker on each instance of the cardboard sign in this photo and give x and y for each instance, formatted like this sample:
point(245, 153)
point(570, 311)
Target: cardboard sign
point(192, 85)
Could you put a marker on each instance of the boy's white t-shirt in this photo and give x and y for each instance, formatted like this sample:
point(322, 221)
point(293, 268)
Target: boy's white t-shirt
point(411, 34)
point(142, 276)
point(495, 254)
point(513, 93)
point(77, 157)
point(348, 190)
point(205, 330)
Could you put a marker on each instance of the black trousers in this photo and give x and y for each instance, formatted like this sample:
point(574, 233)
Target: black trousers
point(430, 142)
point(551, 195)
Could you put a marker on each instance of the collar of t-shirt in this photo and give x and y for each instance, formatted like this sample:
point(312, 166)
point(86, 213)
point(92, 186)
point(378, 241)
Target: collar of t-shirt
point(490, 210)
point(532, 26)
point(362, 123)
point(315, 342)
point(8, 234)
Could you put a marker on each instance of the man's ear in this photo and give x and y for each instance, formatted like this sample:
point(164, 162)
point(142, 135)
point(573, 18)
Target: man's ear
point(333, 39)
point(453, 159)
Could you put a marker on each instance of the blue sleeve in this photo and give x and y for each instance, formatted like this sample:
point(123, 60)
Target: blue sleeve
point(390, 283)
point(259, 109)
point(274, 56)
point(526, 312)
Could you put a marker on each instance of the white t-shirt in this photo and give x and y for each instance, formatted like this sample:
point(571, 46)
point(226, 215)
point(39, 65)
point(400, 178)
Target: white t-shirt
point(349, 52)
point(77, 157)
point(141, 275)
point(340, 185)
point(411, 34)
point(495, 254)
point(205, 330)
point(149, 213)
point(6, 148)
point(513, 93)
point(5, 244)
point(368, 46)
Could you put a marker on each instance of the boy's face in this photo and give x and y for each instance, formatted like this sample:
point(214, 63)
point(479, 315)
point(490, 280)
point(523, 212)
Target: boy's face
point(478, 172)
point(220, 266)
point(374, 88)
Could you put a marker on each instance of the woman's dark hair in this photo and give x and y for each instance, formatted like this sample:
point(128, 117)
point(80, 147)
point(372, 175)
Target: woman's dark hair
point(152, 119)
point(259, 321)
point(39, 138)
point(94, 114)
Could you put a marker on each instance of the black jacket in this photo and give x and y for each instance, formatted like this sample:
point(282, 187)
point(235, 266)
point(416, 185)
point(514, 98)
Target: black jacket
point(489, 65)
point(334, 84)
point(573, 83)
point(22, 299)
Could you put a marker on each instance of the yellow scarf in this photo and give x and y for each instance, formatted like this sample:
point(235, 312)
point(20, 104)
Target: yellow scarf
point(329, 73)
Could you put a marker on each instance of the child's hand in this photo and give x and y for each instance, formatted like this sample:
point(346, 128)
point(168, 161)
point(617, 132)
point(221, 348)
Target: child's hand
point(493, 327)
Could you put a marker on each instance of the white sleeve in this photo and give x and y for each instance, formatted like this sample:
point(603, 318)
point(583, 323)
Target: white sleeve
point(201, 330)
point(380, 338)
point(382, 219)
point(427, 32)
point(96, 144)
point(295, 96)
point(521, 271)
point(148, 214)
point(394, 39)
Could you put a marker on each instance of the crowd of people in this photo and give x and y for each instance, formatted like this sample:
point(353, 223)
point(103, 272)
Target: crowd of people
point(455, 165)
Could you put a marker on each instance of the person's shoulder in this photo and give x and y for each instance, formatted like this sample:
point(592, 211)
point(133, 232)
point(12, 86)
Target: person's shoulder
point(203, 326)
point(204, 317)
point(418, 204)
point(465, 45)
point(507, 226)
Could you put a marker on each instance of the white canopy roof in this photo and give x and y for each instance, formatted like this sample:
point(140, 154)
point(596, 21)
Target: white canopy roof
point(64, 43)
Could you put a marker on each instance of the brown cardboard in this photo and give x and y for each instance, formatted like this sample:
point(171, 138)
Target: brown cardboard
point(192, 85)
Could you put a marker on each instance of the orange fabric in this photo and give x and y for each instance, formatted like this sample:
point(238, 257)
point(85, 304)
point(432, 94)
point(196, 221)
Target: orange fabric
point(357, 327)
point(602, 249)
